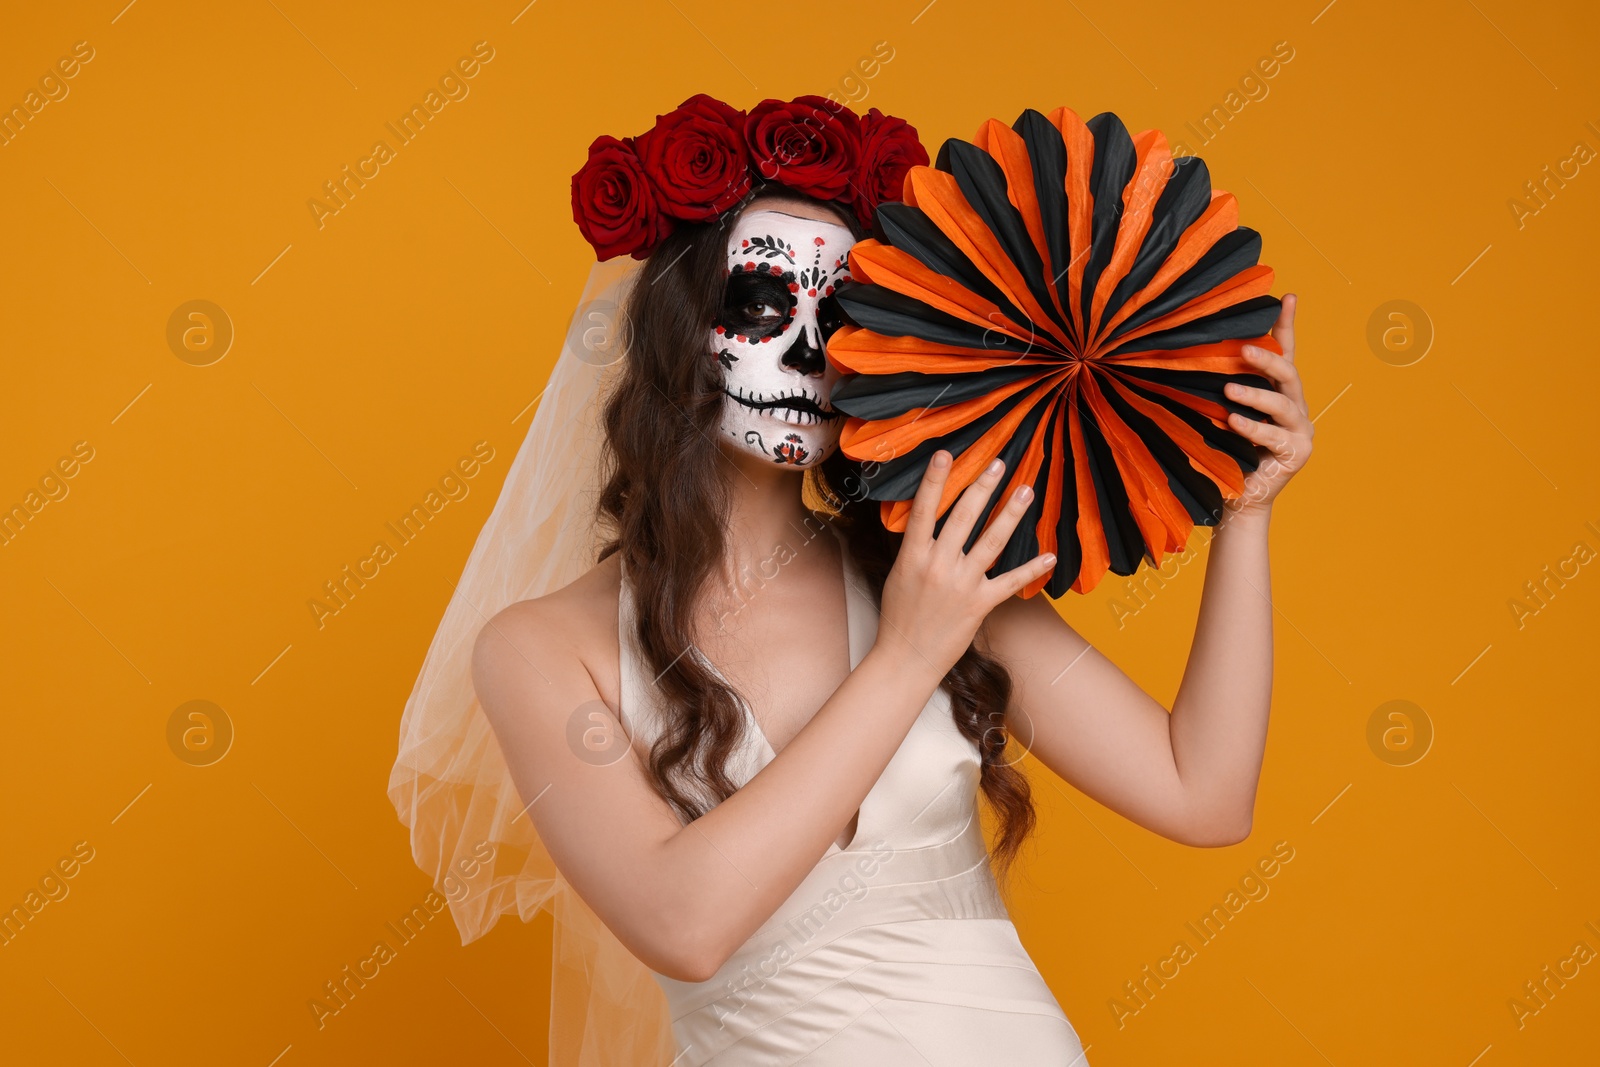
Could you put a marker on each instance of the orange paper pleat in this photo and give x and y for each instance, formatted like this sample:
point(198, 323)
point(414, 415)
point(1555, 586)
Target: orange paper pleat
point(940, 198)
point(1214, 464)
point(1050, 514)
point(1008, 148)
point(902, 273)
point(1080, 205)
point(1156, 511)
point(1220, 356)
point(1091, 533)
point(1248, 283)
point(885, 439)
point(967, 466)
point(861, 351)
point(1220, 218)
point(1150, 176)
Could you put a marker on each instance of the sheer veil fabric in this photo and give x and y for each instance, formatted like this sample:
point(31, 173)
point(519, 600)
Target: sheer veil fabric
point(450, 785)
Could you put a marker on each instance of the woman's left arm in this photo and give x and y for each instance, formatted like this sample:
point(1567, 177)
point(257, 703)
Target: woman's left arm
point(1189, 774)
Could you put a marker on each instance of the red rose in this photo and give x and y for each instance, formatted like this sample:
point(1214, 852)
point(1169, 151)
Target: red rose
point(697, 159)
point(889, 148)
point(810, 144)
point(614, 204)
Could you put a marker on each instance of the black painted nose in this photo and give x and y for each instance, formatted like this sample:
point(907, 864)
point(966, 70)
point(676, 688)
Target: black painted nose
point(804, 357)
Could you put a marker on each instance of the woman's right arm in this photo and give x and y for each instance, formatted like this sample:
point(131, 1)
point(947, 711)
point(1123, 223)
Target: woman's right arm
point(683, 898)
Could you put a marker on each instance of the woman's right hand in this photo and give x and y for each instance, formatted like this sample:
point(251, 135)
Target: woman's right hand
point(937, 595)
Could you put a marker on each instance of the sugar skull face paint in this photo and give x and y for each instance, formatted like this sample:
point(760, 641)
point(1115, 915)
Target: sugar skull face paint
point(777, 314)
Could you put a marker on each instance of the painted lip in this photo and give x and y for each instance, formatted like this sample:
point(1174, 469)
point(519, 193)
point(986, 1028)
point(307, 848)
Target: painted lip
point(799, 402)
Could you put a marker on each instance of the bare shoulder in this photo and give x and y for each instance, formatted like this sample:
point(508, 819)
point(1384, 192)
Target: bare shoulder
point(566, 639)
point(586, 604)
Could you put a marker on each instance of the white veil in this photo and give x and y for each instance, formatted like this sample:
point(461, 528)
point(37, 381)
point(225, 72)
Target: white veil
point(450, 783)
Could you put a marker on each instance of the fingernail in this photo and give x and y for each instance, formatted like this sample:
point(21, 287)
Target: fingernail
point(995, 468)
point(1049, 558)
point(941, 458)
point(1025, 494)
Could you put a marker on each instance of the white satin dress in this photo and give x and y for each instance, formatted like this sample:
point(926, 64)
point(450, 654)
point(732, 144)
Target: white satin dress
point(895, 950)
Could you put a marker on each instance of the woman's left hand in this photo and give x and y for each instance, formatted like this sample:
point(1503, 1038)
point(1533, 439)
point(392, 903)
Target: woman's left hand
point(1284, 440)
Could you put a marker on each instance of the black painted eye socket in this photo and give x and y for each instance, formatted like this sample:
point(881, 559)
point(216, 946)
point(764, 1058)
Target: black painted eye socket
point(756, 305)
point(830, 316)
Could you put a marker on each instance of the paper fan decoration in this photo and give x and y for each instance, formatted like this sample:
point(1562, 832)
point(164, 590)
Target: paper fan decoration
point(1071, 299)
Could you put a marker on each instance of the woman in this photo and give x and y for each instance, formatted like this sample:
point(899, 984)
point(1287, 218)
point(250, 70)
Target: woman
point(694, 699)
point(835, 906)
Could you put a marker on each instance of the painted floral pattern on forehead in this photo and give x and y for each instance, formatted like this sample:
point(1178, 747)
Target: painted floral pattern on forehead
point(705, 156)
point(810, 278)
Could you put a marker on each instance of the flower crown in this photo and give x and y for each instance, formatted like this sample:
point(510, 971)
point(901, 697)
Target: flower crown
point(704, 157)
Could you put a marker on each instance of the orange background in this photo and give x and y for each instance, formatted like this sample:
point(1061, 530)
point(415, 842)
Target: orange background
point(371, 353)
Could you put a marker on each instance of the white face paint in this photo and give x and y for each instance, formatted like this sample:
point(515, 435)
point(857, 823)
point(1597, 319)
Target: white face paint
point(778, 312)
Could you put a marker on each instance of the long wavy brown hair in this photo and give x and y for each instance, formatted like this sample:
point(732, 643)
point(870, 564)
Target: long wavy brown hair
point(666, 500)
